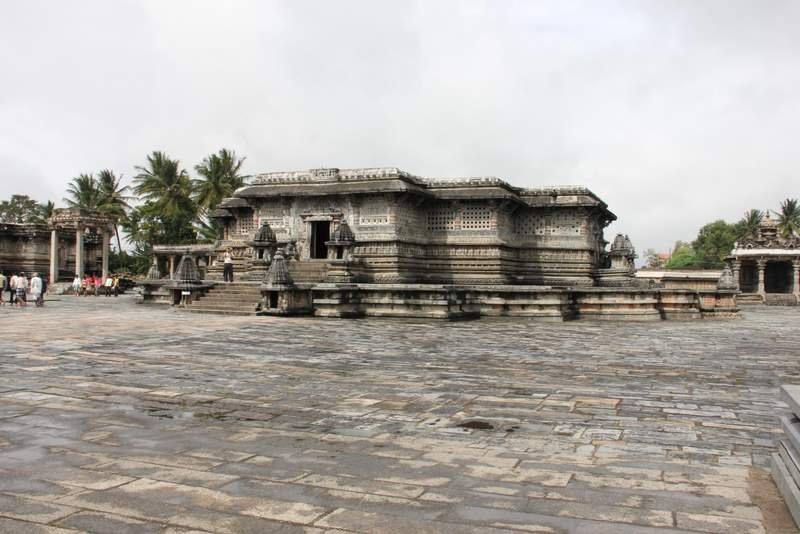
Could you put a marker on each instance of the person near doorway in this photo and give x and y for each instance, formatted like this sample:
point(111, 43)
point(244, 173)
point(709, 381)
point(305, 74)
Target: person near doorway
point(21, 290)
point(12, 289)
point(36, 290)
point(227, 266)
point(76, 285)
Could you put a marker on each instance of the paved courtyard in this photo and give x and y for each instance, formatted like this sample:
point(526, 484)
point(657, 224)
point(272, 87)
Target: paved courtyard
point(120, 418)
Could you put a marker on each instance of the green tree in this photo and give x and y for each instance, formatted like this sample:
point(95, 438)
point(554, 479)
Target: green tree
point(46, 210)
point(24, 210)
point(114, 199)
point(789, 217)
point(713, 244)
point(83, 192)
point(749, 223)
point(220, 178)
point(166, 186)
point(167, 214)
point(683, 256)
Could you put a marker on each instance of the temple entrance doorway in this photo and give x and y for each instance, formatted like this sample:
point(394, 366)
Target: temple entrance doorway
point(778, 277)
point(320, 234)
point(748, 277)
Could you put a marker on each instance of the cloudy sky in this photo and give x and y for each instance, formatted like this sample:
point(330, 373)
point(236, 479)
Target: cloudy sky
point(675, 113)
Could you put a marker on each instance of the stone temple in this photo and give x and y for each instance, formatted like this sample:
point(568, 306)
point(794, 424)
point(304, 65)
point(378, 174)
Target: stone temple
point(382, 241)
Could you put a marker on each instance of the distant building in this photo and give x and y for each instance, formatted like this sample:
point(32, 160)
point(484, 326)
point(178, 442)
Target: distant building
point(51, 248)
point(766, 265)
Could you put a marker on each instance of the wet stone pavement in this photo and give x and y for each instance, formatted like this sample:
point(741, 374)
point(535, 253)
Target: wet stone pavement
point(120, 418)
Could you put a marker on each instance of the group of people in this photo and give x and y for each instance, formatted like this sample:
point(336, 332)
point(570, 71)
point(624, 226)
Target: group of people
point(95, 285)
point(19, 287)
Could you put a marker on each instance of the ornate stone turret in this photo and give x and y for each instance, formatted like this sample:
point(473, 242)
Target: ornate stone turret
point(280, 295)
point(343, 235)
point(622, 254)
point(154, 273)
point(727, 280)
point(340, 254)
point(186, 282)
point(278, 276)
point(263, 244)
point(186, 275)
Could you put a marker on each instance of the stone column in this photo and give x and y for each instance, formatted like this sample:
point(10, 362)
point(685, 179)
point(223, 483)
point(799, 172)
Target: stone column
point(53, 256)
point(106, 248)
point(736, 268)
point(171, 267)
point(762, 264)
point(795, 281)
point(79, 252)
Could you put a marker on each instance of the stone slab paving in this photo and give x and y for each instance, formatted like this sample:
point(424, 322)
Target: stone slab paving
point(116, 417)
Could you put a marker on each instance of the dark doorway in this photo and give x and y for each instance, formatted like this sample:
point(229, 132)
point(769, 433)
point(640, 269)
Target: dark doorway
point(778, 277)
point(747, 277)
point(320, 233)
point(273, 299)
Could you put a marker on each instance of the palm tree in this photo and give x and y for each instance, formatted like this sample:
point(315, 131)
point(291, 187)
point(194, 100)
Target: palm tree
point(749, 223)
point(789, 217)
point(168, 187)
point(114, 199)
point(221, 178)
point(83, 192)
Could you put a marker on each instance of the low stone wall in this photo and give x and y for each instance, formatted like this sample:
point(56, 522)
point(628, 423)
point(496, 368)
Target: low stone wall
point(154, 292)
point(536, 302)
point(700, 280)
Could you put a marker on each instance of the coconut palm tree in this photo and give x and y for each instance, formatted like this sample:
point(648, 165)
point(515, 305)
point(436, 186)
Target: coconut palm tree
point(83, 192)
point(166, 185)
point(789, 217)
point(115, 201)
point(220, 178)
point(749, 223)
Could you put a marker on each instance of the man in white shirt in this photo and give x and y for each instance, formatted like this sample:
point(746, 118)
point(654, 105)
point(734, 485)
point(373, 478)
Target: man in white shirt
point(227, 266)
point(36, 290)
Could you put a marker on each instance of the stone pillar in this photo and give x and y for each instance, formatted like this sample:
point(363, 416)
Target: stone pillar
point(171, 267)
point(795, 279)
point(736, 268)
point(762, 264)
point(79, 267)
point(53, 256)
point(106, 248)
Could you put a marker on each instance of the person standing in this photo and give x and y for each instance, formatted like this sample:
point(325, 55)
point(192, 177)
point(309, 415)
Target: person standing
point(3, 282)
point(21, 290)
point(12, 289)
point(76, 285)
point(116, 285)
point(36, 290)
point(227, 266)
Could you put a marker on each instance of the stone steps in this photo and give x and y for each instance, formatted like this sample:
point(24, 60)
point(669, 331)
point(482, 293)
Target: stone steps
point(786, 462)
point(781, 299)
point(238, 298)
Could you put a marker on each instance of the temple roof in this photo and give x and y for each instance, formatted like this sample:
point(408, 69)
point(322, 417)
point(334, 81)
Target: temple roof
point(333, 181)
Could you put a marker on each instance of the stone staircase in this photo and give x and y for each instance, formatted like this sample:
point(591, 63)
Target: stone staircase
point(308, 272)
point(781, 299)
point(748, 298)
point(238, 298)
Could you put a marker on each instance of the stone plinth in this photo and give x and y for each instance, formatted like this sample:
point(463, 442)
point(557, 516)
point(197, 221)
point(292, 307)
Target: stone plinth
point(617, 304)
point(786, 462)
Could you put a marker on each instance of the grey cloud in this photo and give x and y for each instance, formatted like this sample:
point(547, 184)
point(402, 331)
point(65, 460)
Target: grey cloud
point(676, 113)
